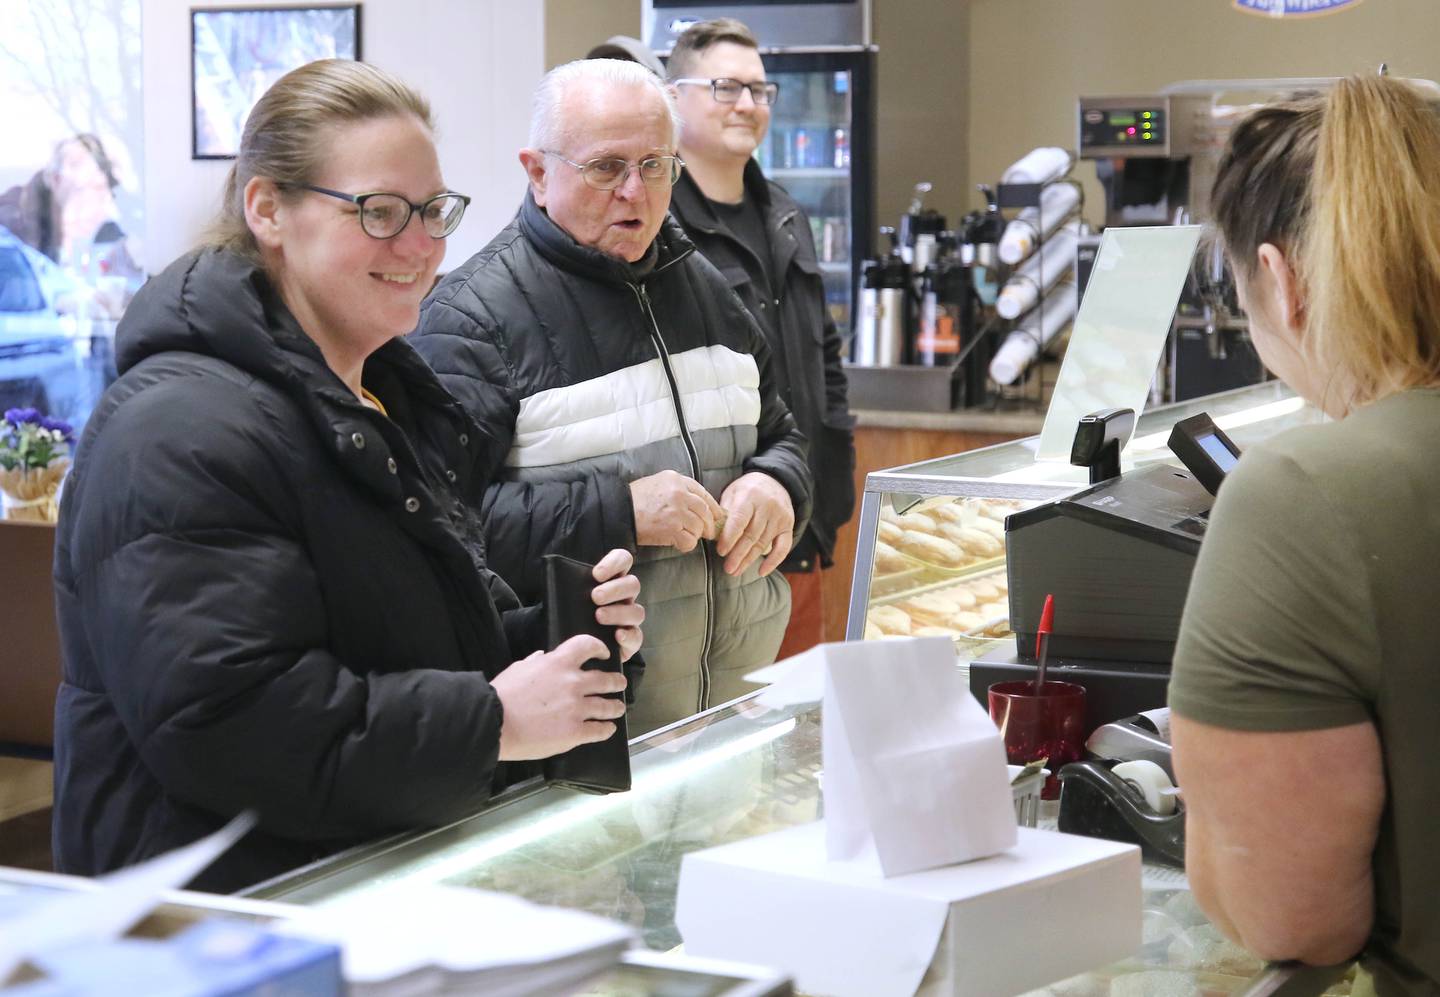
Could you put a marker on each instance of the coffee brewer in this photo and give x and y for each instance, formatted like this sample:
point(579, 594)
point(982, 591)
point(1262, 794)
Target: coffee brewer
point(1156, 158)
point(883, 321)
point(916, 317)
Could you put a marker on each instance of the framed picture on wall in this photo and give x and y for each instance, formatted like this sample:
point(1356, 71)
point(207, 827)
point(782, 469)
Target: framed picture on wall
point(237, 52)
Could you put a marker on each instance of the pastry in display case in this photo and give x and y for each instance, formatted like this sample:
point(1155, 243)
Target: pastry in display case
point(931, 558)
point(939, 571)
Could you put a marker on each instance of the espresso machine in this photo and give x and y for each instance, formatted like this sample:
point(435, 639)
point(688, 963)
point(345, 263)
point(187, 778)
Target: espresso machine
point(1156, 157)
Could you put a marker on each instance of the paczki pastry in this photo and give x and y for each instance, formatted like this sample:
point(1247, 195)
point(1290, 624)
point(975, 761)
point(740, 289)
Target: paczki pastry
point(947, 513)
point(990, 526)
point(929, 609)
point(891, 620)
point(958, 596)
point(934, 632)
point(918, 522)
point(888, 559)
point(967, 621)
point(930, 548)
point(984, 588)
point(972, 541)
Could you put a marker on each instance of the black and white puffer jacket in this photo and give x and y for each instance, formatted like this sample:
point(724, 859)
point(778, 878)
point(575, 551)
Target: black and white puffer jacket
point(587, 373)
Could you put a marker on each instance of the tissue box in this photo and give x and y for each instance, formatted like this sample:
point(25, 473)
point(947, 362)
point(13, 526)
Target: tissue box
point(1053, 906)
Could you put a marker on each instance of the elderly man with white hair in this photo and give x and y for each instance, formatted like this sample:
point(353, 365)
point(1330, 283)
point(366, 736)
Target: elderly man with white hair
point(626, 393)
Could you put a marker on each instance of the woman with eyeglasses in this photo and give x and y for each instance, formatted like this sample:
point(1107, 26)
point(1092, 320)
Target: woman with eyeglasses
point(269, 596)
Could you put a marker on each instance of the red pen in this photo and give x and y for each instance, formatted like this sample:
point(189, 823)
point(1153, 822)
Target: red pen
point(1042, 641)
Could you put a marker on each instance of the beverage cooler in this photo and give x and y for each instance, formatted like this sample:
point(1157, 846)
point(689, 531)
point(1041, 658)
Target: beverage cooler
point(821, 143)
point(825, 113)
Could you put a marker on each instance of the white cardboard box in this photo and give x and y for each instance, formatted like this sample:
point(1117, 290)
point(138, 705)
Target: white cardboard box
point(1053, 906)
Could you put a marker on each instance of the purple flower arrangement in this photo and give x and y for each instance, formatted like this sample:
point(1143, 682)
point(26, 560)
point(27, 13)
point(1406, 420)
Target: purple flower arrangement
point(29, 440)
point(34, 456)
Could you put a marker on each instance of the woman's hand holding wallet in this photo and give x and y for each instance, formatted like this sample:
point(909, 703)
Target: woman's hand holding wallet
point(615, 592)
point(552, 704)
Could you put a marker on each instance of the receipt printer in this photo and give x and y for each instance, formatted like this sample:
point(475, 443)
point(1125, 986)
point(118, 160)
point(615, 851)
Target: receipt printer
point(1118, 555)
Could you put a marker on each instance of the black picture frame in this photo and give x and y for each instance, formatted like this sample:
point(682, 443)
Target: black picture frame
point(237, 52)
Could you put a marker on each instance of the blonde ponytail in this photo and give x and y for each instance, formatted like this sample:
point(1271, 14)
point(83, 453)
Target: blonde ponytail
point(1371, 263)
point(1347, 185)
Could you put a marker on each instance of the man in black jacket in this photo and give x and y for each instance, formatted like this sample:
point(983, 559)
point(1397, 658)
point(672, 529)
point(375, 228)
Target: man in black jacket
point(760, 240)
point(628, 396)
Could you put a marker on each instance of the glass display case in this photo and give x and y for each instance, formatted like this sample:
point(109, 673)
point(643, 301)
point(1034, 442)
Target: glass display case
point(732, 772)
point(743, 769)
point(930, 559)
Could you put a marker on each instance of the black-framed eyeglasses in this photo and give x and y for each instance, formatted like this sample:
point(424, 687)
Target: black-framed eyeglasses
point(384, 215)
point(727, 91)
point(609, 172)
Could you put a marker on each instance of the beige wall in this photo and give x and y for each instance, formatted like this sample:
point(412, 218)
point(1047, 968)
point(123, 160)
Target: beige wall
point(923, 115)
point(574, 27)
point(1031, 59)
point(966, 87)
point(480, 123)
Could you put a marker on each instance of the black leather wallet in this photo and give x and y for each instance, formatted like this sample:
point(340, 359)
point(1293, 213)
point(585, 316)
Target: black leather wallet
point(602, 767)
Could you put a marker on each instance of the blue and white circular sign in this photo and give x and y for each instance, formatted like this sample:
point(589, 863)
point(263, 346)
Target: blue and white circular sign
point(1293, 8)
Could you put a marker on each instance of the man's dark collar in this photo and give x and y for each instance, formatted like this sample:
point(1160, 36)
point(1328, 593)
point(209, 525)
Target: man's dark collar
point(560, 248)
point(692, 199)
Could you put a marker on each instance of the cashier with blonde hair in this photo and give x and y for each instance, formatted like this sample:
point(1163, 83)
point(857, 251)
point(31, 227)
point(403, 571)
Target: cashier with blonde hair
point(1305, 692)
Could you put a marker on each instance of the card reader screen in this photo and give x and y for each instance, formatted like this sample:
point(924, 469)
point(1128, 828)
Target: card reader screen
point(1219, 453)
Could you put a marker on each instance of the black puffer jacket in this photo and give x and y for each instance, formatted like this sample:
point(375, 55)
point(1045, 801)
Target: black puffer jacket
point(587, 373)
point(266, 594)
point(797, 326)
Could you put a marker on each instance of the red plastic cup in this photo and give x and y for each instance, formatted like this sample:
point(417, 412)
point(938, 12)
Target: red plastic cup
point(1050, 725)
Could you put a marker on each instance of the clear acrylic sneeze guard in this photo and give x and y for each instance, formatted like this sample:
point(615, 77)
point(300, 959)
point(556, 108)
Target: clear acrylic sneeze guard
point(1121, 328)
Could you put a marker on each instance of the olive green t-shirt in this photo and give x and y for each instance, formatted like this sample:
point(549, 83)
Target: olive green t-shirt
point(1315, 603)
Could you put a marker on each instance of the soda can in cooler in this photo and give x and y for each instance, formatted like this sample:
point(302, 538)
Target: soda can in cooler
point(833, 247)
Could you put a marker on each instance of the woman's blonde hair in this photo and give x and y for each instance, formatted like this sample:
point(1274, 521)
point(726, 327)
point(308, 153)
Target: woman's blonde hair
point(1347, 185)
point(283, 136)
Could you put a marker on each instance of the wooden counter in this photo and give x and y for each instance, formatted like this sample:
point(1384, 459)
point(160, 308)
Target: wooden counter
point(885, 439)
point(30, 648)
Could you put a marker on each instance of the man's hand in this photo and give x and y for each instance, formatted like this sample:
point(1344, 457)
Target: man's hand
point(551, 704)
point(672, 510)
point(759, 521)
point(615, 595)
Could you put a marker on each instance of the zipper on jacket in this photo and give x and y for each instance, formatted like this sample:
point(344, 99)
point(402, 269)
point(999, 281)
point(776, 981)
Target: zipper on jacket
point(644, 298)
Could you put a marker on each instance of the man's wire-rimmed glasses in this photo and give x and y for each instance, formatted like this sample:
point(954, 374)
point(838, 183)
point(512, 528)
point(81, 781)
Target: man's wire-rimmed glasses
point(610, 172)
point(727, 91)
point(384, 215)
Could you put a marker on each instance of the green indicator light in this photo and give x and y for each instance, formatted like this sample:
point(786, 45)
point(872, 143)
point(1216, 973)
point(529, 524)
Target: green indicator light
point(1147, 135)
point(1145, 114)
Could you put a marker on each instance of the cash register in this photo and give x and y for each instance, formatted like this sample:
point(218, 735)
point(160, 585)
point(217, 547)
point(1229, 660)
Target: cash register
point(1117, 556)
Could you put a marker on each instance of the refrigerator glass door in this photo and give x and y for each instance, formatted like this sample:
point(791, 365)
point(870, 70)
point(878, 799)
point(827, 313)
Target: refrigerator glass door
point(808, 152)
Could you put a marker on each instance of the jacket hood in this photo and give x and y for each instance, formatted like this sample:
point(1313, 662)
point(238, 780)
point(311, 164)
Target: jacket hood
point(671, 245)
point(215, 303)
